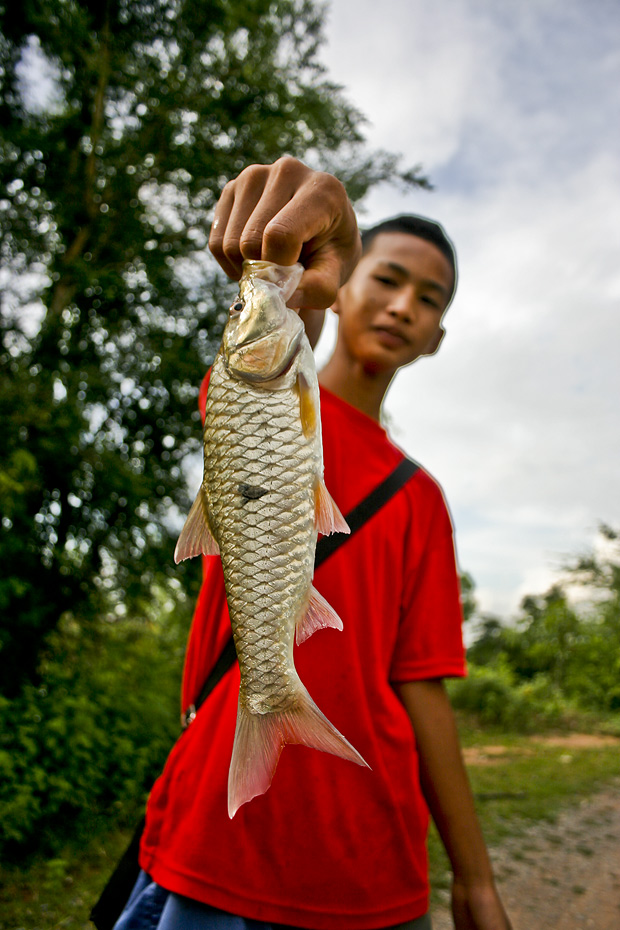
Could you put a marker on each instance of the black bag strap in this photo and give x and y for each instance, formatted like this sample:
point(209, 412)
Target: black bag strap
point(326, 546)
point(106, 911)
point(367, 508)
point(224, 661)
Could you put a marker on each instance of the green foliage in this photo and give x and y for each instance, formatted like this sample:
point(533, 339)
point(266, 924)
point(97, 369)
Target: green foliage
point(496, 697)
point(468, 598)
point(110, 309)
point(96, 734)
point(565, 646)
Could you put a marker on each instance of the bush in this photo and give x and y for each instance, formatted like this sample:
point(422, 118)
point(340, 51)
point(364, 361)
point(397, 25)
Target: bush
point(94, 734)
point(493, 695)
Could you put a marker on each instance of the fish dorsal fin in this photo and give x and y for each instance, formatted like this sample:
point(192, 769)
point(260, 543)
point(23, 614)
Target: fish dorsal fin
point(327, 516)
point(196, 537)
point(318, 615)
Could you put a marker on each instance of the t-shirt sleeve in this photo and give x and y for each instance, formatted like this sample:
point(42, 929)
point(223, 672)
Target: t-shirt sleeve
point(202, 395)
point(430, 637)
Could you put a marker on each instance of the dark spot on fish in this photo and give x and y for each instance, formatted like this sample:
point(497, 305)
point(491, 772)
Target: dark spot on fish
point(251, 492)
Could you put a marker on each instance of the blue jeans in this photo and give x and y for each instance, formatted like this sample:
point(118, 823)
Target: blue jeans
point(151, 907)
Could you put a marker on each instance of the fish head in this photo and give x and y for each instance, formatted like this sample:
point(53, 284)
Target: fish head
point(262, 335)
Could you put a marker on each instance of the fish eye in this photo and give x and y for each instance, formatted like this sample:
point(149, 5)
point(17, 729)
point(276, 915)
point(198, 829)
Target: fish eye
point(237, 306)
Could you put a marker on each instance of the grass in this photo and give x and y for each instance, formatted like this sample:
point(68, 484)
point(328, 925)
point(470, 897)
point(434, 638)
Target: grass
point(528, 781)
point(41, 893)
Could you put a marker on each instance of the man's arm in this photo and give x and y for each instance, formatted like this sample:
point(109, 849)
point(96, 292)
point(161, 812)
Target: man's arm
point(475, 902)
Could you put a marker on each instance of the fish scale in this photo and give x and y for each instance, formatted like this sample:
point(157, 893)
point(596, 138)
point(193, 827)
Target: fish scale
point(261, 503)
point(264, 530)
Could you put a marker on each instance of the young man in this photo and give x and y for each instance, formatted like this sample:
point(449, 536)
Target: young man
point(332, 845)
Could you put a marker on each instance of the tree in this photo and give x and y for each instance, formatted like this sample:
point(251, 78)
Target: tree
point(593, 673)
point(599, 570)
point(121, 120)
point(570, 642)
point(469, 604)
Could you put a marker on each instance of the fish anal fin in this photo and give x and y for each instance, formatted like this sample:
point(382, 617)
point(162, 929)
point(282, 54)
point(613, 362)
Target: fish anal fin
point(307, 406)
point(317, 616)
point(196, 537)
point(260, 738)
point(327, 516)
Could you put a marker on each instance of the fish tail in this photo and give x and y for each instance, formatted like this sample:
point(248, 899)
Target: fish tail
point(260, 738)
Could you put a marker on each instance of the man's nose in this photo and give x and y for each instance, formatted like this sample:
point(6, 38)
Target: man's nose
point(401, 305)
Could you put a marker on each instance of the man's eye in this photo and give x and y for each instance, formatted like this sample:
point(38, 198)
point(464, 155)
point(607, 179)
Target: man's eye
point(390, 282)
point(430, 301)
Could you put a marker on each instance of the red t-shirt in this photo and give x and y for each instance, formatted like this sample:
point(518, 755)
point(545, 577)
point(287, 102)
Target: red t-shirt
point(330, 845)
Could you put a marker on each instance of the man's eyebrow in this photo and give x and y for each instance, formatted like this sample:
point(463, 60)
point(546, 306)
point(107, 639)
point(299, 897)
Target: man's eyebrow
point(428, 282)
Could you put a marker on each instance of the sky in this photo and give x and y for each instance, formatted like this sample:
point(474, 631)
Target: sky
point(513, 111)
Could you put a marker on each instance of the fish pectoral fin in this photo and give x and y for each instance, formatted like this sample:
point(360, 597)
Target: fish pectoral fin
point(308, 411)
point(196, 537)
point(327, 516)
point(318, 615)
point(260, 738)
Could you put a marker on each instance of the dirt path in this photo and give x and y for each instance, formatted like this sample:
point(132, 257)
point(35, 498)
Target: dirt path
point(565, 875)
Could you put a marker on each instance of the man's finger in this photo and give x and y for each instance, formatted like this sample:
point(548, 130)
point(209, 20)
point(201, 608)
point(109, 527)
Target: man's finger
point(319, 283)
point(231, 214)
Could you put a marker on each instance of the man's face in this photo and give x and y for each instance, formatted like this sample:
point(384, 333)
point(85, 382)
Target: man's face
point(391, 308)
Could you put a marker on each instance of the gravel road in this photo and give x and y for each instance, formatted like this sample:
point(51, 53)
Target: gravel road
point(564, 875)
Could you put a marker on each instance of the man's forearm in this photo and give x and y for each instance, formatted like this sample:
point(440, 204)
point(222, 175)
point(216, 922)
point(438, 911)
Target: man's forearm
point(444, 779)
point(475, 902)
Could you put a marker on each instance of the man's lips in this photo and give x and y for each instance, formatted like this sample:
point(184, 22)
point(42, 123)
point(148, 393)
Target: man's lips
point(391, 336)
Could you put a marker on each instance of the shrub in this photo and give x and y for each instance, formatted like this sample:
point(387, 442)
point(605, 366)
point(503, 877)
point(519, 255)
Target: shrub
point(493, 695)
point(95, 732)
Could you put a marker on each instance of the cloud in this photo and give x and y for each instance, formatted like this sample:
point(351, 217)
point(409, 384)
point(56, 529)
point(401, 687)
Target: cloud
point(479, 89)
point(427, 78)
point(512, 112)
point(519, 413)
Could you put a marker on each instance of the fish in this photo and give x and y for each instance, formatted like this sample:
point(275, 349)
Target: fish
point(261, 505)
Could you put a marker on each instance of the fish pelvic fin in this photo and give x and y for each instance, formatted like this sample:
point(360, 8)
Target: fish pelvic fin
point(327, 516)
point(260, 738)
point(318, 615)
point(196, 536)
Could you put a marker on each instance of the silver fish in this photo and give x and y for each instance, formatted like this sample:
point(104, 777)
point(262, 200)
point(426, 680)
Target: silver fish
point(261, 504)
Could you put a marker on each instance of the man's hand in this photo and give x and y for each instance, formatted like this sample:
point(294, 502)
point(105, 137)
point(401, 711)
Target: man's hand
point(284, 213)
point(478, 908)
